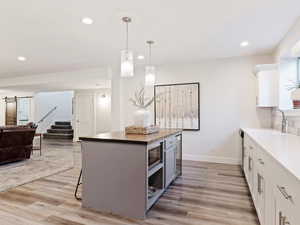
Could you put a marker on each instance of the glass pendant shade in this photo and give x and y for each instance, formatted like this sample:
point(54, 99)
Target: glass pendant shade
point(127, 66)
point(149, 75)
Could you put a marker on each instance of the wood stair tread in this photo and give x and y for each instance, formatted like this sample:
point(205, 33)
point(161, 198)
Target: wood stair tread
point(60, 130)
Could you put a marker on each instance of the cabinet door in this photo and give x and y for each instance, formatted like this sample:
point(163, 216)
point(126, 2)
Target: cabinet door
point(170, 165)
point(267, 88)
point(245, 162)
point(178, 154)
point(250, 172)
point(259, 189)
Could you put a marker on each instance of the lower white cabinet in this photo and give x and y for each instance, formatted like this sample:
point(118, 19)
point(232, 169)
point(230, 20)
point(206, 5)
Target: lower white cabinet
point(285, 212)
point(259, 196)
point(275, 192)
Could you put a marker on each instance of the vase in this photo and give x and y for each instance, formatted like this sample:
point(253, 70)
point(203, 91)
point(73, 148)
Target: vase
point(142, 118)
point(295, 96)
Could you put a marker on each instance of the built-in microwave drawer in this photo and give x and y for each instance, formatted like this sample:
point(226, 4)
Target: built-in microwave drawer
point(155, 155)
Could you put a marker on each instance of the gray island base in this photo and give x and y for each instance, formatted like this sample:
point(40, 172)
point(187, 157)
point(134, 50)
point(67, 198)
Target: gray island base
point(126, 174)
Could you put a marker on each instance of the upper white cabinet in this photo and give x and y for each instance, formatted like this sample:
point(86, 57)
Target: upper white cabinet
point(268, 85)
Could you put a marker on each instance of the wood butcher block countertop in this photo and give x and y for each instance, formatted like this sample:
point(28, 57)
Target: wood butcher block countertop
point(120, 136)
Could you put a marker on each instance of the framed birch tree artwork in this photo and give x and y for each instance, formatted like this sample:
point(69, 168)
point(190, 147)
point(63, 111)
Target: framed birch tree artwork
point(177, 106)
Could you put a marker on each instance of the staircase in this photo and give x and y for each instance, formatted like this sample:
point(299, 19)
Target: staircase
point(60, 130)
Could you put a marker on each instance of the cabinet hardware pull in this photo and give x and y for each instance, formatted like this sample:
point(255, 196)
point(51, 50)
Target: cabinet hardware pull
point(280, 218)
point(261, 161)
point(259, 185)
point(284, 193)
point(284, 222)
point(250, 164)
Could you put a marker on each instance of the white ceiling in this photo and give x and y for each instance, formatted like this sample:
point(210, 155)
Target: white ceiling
point(48, 87)
point(50, 35)
point(73, 80)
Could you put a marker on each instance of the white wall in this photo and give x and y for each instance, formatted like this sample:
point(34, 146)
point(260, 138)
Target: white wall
point(227, 102)
point(45, 101)
point(102, 119)
point(103, 110)
point(287, 62)
point(284, 49)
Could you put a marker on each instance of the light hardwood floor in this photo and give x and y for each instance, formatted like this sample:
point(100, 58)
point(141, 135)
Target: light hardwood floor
point(206, 194)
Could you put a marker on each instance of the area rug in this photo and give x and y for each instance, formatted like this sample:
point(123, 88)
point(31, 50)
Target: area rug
point(55, 158)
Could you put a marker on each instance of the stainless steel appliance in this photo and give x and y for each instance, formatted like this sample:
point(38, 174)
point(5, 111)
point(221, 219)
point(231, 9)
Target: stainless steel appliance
point(155, 156)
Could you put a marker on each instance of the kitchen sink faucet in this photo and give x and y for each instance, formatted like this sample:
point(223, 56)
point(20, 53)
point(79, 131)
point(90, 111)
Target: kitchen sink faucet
point(284, 122)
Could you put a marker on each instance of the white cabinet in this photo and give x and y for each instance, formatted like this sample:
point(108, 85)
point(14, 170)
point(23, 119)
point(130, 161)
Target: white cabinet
point(287, 197)
point(275, 192)
point(285, 211)
point(268, 86)
point(254, 173)
point(259, 190)
point(248, 162)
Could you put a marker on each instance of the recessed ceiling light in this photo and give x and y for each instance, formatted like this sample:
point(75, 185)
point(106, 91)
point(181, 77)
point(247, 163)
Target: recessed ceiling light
point(244, 44)
point(141, 57)
point(21, 58)
point(87, 20)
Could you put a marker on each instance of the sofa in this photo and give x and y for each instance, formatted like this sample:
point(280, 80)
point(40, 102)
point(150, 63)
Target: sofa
point(16, 143)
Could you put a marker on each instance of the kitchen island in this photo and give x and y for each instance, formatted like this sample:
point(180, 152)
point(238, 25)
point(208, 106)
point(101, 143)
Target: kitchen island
point(126, 174)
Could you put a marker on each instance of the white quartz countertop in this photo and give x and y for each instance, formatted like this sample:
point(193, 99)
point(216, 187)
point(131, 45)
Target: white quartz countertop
point(284, 148)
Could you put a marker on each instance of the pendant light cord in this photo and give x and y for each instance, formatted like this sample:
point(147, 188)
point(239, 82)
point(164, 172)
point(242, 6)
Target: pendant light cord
point(126, 36)
point(149, 54)
point(150, 51)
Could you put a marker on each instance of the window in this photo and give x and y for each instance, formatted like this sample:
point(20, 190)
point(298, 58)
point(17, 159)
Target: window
point(298, 69)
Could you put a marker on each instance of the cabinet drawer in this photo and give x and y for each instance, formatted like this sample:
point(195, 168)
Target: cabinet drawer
point(285, 213)
point(248, 142)
point(261, 160)
point(286, 184)
point(170, 141)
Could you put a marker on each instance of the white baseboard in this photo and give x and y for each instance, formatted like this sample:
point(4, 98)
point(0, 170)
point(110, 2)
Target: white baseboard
point(214, 159)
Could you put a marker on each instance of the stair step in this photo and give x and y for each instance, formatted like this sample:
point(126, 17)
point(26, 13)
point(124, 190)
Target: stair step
point(57, 136)
point(61, 127)
point(60, 131)
point(63, 123)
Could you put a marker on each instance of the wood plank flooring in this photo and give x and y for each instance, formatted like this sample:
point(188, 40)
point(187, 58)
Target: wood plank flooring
point(206, 194)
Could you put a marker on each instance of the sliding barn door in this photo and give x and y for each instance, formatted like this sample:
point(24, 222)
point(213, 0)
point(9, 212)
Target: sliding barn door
point(11, 111)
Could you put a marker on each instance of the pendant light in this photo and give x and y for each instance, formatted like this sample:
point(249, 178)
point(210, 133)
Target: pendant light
point(127, 67)
point(150, 69)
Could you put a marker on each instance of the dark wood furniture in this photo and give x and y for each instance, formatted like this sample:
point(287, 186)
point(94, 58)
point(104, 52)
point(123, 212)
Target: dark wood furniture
point(15, 143)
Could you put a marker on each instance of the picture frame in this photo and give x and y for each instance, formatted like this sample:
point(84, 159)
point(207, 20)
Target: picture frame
point(177, 106)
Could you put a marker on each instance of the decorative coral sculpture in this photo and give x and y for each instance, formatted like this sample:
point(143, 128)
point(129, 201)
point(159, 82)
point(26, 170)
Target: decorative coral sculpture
point(139, 99)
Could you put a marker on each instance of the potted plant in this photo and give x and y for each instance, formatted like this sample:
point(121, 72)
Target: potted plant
point(294, 87)
point(142, 116)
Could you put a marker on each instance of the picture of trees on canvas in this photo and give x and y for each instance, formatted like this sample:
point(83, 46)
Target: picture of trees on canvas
point(177, 106)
